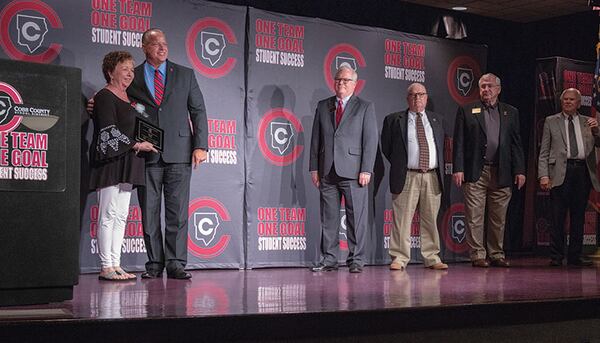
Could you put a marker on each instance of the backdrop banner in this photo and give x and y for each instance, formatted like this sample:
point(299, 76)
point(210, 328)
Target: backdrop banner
point(291, 64)
point(553, 75)
point(253, 204)
point(207, 37)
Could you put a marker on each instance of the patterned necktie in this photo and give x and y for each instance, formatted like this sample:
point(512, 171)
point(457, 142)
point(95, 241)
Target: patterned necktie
point(339, 111)
point(423, 146)
point(572, 138)
point(159, 87)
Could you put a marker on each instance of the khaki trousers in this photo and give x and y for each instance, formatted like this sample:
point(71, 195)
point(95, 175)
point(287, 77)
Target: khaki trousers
point(480, 197)
point(422, 190)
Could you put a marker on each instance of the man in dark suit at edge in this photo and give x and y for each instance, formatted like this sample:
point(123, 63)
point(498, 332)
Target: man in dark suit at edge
point(413, 142)
point(173, 101)
point(342, 155)
point(487, 160)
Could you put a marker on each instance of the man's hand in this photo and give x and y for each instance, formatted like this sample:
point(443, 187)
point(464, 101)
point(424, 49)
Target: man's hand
point(593, 124)
point(519, 180)
point(459, 178)
point(90, 106)
point(545, 183)
point(144, 146)
point(314, 176)
point(364, 178)
point(198, 156)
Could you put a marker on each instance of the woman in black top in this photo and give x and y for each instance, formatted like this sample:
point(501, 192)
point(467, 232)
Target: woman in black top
point(116, 168)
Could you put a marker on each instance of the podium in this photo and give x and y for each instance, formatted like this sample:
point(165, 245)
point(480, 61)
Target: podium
point(40, 108)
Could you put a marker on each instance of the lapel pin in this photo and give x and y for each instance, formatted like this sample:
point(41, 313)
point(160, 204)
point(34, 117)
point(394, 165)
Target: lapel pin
point(476, 110)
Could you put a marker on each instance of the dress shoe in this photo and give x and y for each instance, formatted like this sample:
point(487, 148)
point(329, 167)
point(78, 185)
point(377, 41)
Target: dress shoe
point(481, 263)
point(438, 266)
point(323, 268)
point(179, 274)
point(396, 266)
point(500, 262)
point(150, 274)
point(355, 268)
point(581, 262)
point(555, 263)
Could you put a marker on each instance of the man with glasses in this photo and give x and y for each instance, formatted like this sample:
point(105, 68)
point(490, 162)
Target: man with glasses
point(567, 168)
point(412, 140)
point(487, 160)
point(342, 154)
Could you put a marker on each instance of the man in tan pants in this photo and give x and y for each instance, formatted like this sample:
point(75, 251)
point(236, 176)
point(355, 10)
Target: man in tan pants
point(412, 140)
point(488, 159)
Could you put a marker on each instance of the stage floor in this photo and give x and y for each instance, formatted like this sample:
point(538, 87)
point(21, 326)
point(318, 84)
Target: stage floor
point(298, 290)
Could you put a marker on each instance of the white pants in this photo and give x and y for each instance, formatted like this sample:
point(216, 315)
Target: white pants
point(113, 208)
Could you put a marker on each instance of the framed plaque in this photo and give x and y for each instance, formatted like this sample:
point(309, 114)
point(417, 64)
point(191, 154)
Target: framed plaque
point(146, 131)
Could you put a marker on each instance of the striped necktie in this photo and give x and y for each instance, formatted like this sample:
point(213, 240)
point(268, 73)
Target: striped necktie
point(159, 87)
point(339, 111)
point(423, 146)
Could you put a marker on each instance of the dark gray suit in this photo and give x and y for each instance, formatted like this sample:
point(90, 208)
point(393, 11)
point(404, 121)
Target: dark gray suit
point(340, 155)
point(170, 171)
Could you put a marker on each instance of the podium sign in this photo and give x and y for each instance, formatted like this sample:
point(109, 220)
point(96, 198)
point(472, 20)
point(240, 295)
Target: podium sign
point(32, 132)
point(40, 107)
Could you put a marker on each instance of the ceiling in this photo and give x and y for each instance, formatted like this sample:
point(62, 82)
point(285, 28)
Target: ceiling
point(523, 11)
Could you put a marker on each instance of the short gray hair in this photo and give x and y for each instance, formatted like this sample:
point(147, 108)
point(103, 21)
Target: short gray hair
point(346, 66)
point(574, 90)
point(489, 76)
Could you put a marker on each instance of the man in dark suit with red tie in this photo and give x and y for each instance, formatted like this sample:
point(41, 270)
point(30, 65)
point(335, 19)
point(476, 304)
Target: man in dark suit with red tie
point(342, 154)
point(487, 161)
point(173, 101)
point(413, 142)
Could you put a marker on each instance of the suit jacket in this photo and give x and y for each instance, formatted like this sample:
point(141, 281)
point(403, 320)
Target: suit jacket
point(394, 145)
point(552, 161)
point(351, 147)
point(182, 104)
point(470, 143)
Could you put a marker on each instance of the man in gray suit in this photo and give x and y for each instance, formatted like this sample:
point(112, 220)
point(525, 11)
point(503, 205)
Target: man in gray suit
point(173, 101)
point(342, 155)
point(567, 168)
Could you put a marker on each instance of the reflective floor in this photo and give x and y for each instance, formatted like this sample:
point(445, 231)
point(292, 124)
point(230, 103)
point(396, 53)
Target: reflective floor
point(298, 290)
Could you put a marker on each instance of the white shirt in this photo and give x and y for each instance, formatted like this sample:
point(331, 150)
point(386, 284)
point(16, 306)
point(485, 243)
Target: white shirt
point(344, 102)
point(578, 137)
point(413, 143)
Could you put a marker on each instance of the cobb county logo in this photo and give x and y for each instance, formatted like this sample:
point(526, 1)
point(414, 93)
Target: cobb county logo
point(343, 227)
point(278, 133)
point(26, 24)
point(5, 106)
point(14, 112)
point(207, 215)
point(454, 229)
point(7, 102)
point(215, 38)
point(463, 75)
point(343, 54)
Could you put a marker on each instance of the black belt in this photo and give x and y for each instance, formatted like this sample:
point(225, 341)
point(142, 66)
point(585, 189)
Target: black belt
point(421, 171)
point(575, 162)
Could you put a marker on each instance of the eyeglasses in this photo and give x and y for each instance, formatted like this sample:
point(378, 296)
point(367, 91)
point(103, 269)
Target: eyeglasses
point(340, 80)
point(417, 95)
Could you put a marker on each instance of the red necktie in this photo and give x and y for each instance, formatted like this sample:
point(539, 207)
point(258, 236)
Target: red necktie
point(159, 87)
point(339, 111)
point(423, 146)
